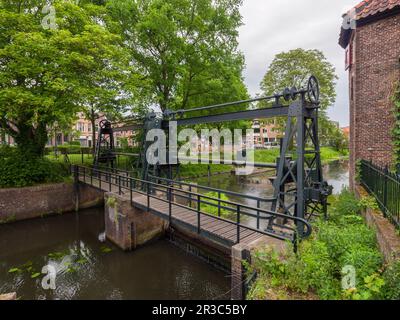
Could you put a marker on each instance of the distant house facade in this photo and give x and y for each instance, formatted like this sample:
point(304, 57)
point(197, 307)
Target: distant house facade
point(372, 43)
point(265, 135)
point(346, 132)
point(81, 131)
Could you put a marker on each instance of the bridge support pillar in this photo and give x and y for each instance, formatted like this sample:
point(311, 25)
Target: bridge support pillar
point(243, 252)
point(239, 254)
point(129, 227)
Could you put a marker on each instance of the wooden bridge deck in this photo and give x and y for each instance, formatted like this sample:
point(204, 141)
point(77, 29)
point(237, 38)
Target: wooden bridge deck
point(217, 230)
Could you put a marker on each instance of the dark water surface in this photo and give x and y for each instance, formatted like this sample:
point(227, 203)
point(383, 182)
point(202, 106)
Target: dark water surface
point(73, 243)
point(89, 268)
point(259, 185)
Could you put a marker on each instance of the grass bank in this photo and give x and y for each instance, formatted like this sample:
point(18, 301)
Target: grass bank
point(261, 156)
point(341, 261)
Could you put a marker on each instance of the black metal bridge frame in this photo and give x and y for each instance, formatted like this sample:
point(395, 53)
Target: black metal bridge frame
point(300, 190)
point(305, 171)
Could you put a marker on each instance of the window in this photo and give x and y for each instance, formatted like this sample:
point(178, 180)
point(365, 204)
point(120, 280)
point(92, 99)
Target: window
point(81, 127)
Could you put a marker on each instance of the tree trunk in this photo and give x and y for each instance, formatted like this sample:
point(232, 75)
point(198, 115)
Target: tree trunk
point(3, 137)
point(31, 142)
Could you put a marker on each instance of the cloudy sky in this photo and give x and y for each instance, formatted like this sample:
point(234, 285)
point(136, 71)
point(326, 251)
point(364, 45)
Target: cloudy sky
point(273, 26)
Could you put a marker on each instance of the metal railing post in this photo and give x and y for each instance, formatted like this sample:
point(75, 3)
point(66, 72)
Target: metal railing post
point(170, 204)
point(84, 174)
point(258, 213)
point(190, 196)
point(130, 190)
point(109, 181)
point(75, 171)
point(238, 224)
point(198, 214)
point(148, 196)
point(385, 192)
point(219, 204)
point(119, 185)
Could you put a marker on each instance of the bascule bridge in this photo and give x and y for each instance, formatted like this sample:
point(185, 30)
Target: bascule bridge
point(300, 192)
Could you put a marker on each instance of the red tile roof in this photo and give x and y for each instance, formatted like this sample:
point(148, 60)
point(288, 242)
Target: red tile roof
point(369, 8)
point(365, 10)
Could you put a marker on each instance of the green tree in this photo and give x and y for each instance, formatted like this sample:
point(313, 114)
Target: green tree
point(331, 135)
point(48, 75)
point(186, 50)
point(293, 68)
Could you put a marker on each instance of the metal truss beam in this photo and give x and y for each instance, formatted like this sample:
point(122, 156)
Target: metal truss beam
point(233, 116)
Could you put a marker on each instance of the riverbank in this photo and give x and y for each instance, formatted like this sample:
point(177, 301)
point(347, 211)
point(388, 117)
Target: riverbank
point(261, 156)
point(343, 247)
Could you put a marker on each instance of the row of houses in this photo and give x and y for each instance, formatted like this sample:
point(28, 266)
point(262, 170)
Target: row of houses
point(81, 131)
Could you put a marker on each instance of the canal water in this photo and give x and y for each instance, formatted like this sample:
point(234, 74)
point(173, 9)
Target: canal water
point(259, 185)
point(88, 267)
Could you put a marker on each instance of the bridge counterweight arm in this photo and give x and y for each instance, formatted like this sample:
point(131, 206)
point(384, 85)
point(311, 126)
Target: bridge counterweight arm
point(233, 116)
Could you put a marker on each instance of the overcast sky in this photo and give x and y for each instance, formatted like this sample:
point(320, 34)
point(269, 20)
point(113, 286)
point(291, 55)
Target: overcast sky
point(273, 26)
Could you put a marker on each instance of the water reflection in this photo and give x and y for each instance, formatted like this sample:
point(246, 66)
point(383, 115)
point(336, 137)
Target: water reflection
point(91, 269)
point(259, 185)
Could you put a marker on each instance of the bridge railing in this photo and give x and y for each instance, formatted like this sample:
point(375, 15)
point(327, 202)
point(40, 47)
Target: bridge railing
point(385, 187)
point(258, 201)
point(124, 184)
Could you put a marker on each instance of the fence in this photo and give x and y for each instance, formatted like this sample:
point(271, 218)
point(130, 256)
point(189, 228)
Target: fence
point(76, 155)
point(168, 191)
point(385, 187)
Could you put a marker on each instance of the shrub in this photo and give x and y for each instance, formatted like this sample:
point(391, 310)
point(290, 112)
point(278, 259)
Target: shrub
point(392, 282)
point(345, 204)
point(342, 241)
point(365, 259)
point(17, 171)
point(6, 151)
point(213, 207)
point(70, 148)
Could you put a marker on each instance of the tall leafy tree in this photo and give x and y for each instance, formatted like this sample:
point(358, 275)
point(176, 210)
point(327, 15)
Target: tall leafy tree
point(293, 68)
point(186, 50)
point(48, 75)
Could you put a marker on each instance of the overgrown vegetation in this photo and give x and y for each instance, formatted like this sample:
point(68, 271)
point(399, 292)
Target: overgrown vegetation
point(212, 208)
point(323, 262)
point(396, 128)
point(261, 156)
point(18, 171)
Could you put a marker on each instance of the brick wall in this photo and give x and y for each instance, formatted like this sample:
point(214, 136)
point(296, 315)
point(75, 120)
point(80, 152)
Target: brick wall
point(34, 202)
point(375, 69)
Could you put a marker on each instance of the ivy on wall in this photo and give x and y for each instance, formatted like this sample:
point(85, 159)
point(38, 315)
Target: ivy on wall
point(396, 129)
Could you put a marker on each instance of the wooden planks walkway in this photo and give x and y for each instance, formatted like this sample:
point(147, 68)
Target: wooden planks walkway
point(223, 232)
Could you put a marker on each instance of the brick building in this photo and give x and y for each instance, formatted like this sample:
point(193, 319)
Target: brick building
point(372, 43)
point(265, 135)
point(81, 131)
